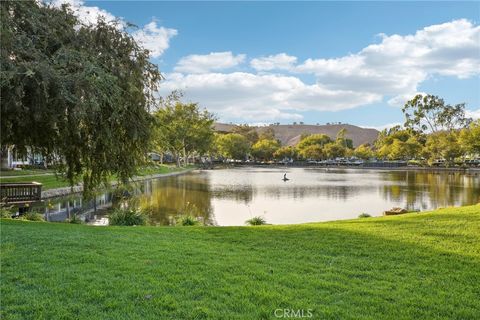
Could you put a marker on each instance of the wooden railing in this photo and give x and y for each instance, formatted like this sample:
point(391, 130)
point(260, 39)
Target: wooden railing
point(20, 192)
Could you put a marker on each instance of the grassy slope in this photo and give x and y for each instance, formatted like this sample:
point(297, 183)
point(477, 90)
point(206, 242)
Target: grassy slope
point(416, 266)
point(50, 181)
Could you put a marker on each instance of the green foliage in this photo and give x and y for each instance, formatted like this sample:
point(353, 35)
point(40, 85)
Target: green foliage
point(313, 139)
point(183, 129)
point(430, 113)
point(343, 140)
point(311, 146)
point(127, 217)
point(443, 145)
point(364, 151)
point(248, 132)
point(256, 221)
point(232, 146)
point(188, 216)
point(186, 220)
point(287, 152)
point(399, 144)
point(6, 212)
point(33, 216)
point(85, 111)
point(470, 139)
point(264, 149)
point(266, 133)
point(334, 150)
point(364, 215)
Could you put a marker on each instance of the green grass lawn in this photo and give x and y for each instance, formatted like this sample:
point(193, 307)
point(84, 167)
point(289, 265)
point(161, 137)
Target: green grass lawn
point(50, 181)
point(415, 266)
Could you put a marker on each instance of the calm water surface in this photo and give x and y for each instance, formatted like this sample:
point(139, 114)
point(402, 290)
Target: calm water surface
point(231, 196)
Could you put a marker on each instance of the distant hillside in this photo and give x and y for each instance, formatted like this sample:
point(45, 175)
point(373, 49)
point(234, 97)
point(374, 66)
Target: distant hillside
point(290, 134)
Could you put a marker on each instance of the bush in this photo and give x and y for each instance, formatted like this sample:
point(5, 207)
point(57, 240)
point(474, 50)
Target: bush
point(364, 215)
point(188, 216)
point(6, 213)
point(256, 221)
point(127, 217)
point(33, 216)
point(187, 220)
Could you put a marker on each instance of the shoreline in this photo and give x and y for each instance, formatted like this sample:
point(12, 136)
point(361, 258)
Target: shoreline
point(65, 191)
point(404, 168)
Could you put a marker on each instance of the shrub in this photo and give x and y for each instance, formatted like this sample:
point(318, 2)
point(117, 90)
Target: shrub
point(188, 216)
point(187, 220)
point(127, 217)
point(5, 213)
point(256, 221)
point(364, 215)
point(33, 216)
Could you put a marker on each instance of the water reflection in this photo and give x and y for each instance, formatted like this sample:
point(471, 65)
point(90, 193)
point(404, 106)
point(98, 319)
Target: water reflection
point(231, 196)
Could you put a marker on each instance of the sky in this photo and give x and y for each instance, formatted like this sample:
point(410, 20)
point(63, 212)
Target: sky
point(312, 62)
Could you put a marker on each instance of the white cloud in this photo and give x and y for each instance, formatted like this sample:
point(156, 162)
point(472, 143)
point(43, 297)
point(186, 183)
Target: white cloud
point(214, 61)
point(280, 61)
point(152, 37)
point(401, 99)
point(85, 14)
point(394, 69)
point(474, 114)
point(398, 64)
point(265, 97)
point(155, 39)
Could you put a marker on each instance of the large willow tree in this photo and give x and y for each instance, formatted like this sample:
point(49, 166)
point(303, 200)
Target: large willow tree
point(78, 94)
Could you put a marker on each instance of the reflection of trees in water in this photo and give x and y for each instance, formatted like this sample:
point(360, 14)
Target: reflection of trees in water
point(422, 190)
point(168, 197)
point(239, 194)
point(337, 192)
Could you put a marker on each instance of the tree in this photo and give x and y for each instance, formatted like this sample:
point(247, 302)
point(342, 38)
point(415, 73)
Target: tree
point(470, 139)
point(399, 144)
point(314, 152)
point(364, 151)
point(184, 129)
point(232, 146)
point(343, 140)
point(314, 139)
point(430, 113)
point(311, 146)
point(85, 111)
point(248, 132)
point(264, 149)
point(443, 145)
point(267, 134)
point(334, 150)
point(287, 152)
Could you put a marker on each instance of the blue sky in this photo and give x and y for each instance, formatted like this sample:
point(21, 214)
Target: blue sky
point(263, 62)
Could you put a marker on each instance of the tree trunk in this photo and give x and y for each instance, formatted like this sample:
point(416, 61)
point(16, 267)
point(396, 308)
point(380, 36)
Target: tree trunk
point(185, 161)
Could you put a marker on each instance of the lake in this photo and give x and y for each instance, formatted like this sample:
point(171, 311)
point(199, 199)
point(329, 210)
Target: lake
point(228, 197)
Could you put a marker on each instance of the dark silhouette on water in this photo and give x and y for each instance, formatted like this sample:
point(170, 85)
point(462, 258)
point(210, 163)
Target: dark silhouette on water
point(285, 177)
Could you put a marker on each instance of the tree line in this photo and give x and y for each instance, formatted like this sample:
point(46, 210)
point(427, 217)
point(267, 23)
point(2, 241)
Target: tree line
point(433, 131)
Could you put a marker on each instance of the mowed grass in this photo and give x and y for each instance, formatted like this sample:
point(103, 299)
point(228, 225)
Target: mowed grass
point(51, 181)
point(415, 266)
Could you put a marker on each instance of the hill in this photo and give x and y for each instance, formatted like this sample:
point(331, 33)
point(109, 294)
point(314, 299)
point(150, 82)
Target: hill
point(290, 134)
